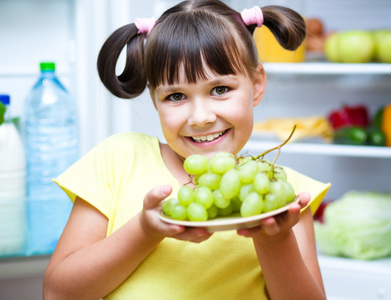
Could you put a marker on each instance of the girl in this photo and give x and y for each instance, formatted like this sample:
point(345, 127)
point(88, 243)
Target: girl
point(200, 64)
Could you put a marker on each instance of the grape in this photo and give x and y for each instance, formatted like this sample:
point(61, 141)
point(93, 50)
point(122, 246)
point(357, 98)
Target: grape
point(230, 184)
point(185, 195)
point(279, 173)
point(197, 212)
point(289, 190)
point(270, 203)
point(236, 203)
point(245, 190)
point(241, 160)
point(178, 212)
point(252, 205)
point(226, 211)
point(204, 196)
point(221, 163)
point(275, 186)
point(212, 211)
point(219, 200)
point(210, 180)
point(168, 204)
point(280, 199)
point(196, 164)
point(247, 171)
point(261, 183)
point(264, 166)
point(197, 178)
point(278, 189)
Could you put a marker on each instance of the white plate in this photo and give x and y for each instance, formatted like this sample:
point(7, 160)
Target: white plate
point(233, 222)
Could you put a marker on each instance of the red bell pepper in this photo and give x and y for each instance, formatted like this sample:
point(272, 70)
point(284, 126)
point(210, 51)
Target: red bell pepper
point(349, 116)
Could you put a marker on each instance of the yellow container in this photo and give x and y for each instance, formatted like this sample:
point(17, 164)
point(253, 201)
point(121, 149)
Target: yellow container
point(269, 50)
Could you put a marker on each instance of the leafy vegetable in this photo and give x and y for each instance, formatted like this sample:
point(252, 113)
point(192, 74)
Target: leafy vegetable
point(2, 112)
point(358, 225)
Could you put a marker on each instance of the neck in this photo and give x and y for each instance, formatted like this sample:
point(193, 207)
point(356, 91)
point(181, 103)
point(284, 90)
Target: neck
point(174, 163)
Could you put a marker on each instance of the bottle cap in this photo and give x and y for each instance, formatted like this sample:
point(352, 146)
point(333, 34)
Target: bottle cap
point(47, 66)
point(5, 99)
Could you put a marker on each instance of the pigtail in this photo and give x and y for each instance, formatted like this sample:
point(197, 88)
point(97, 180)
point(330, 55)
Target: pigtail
point(287, 26)
point(132, 82)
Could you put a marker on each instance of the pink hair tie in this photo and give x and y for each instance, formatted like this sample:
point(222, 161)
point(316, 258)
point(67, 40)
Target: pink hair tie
point(145, 25)
point(252, 16)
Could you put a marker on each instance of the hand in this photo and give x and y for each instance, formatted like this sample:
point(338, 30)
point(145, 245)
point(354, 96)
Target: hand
point(277, 227)
point(154, 227)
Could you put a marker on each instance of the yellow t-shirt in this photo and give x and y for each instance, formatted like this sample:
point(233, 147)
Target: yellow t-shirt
point(115, 176)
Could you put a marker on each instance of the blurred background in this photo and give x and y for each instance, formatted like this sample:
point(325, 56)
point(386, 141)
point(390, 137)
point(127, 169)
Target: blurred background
point(309, 88)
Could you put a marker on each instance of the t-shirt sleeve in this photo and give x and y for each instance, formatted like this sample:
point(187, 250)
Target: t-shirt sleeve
point(90, 178)
point(302, 183)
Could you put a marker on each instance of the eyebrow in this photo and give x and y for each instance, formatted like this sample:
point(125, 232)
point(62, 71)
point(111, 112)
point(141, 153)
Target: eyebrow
point(223, 80)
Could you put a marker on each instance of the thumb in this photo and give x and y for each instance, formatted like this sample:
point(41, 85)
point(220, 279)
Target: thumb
point(155, 195)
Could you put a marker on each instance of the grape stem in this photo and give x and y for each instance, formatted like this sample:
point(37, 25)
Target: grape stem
point(278, 147)
point(191, 181)
point(275, 158)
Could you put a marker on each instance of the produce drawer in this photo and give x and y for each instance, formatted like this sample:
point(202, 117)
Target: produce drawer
point(354, 279)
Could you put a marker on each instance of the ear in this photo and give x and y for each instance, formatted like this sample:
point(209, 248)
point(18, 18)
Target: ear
point(153, 95)
point(259, 84)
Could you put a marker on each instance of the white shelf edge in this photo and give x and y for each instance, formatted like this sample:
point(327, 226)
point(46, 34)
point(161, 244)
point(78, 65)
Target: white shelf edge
point(24, 266)
point(323, 149)
point(327, 68)
point(32, 71)
point(379, 266)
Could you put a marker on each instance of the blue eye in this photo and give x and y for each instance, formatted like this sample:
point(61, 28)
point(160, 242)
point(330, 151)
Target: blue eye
point(176, 97)
point(220, 90)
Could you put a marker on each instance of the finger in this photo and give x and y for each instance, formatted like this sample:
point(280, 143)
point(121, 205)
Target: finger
point(293, 215)
point(155, 195)
point(249, 232)
point(195, 235)
point(172, 230)
point(304, 198)
point(270, 226)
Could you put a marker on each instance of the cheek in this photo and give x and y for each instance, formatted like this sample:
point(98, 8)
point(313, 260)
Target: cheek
point(165, 121)
point(170, 120)
point(243, 114)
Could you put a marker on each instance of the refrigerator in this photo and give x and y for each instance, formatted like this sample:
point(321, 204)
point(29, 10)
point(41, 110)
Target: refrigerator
point(71, 32)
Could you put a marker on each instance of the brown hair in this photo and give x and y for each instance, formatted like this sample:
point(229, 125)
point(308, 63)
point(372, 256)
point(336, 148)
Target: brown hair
point(188, 37)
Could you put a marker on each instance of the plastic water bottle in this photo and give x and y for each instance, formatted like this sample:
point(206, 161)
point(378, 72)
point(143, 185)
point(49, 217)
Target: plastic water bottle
point(51, 138)
point(12, 185)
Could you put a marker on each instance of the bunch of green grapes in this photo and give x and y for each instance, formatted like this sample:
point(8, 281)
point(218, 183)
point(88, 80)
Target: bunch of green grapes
point(226, 184)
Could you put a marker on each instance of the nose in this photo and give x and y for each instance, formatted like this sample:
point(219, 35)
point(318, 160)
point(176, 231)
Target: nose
point(201, 113)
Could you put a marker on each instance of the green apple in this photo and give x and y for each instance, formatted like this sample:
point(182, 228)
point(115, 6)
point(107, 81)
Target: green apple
point(353, 46)
point(356, 46)
point(383, 45)
point(331, 48)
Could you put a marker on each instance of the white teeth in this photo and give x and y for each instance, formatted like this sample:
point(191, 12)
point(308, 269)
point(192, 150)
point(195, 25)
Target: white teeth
point(209, 137)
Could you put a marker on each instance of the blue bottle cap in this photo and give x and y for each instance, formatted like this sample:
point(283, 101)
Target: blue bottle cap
point(5, 99)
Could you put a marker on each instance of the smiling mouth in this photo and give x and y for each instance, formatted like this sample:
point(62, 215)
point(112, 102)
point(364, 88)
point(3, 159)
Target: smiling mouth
point(207, 138)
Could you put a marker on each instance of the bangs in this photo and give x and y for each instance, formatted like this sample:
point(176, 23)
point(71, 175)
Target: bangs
point(190, 47)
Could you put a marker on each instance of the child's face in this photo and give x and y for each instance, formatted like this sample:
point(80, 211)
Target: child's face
point(209, 116)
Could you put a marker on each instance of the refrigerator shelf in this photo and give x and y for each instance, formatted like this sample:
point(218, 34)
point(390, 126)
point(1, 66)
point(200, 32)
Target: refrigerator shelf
point(327, 68)
point(322, 149)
